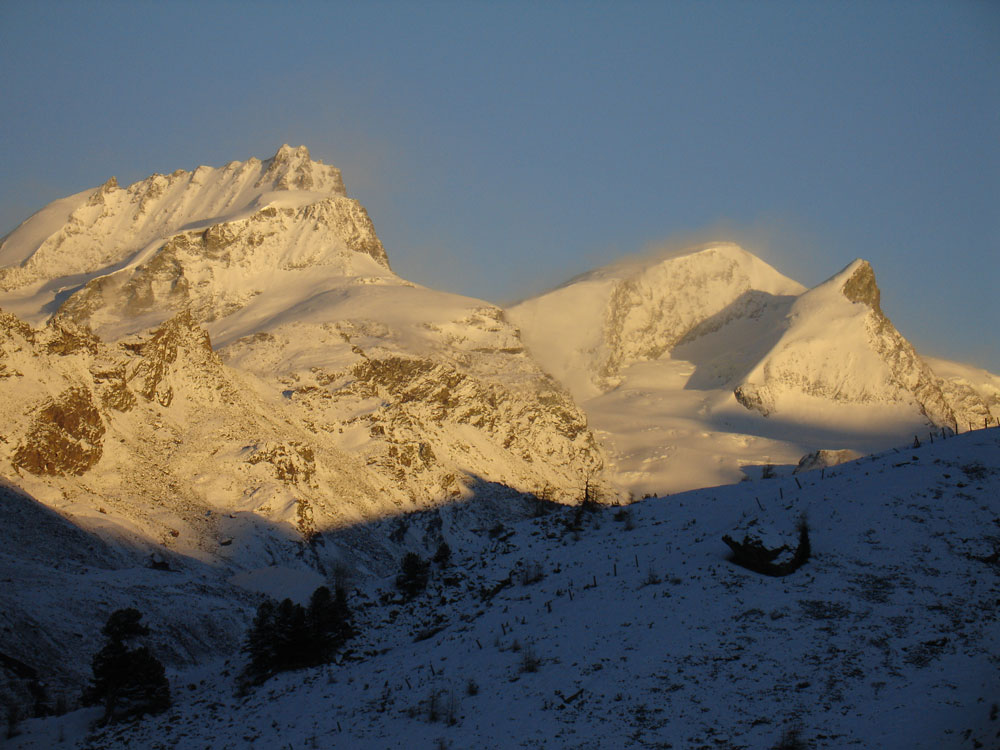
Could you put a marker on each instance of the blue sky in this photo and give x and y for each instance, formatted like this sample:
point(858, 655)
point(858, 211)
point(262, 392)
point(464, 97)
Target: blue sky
point(503, 147)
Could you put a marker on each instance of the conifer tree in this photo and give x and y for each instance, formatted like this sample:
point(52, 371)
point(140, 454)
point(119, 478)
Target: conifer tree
point(412, 578)
point(127, 681)
point(443, 555)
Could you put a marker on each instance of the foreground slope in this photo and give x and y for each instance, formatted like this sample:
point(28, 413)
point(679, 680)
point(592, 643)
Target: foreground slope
point(635, 631)
point(691, 366)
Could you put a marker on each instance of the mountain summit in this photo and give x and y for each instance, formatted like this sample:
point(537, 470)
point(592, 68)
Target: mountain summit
point(210, 240)
point(839, 346)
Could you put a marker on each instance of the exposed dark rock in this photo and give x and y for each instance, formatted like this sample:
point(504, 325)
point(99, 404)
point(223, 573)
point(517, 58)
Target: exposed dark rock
point(861, 287)
point(292, 462)
point(753, 555)
point(160, 351)
point(66, 436)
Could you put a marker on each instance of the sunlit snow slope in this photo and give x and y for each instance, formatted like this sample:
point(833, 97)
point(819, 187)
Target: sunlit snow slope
point(691, 366)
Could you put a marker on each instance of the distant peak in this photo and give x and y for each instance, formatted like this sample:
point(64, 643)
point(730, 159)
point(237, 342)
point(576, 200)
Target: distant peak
point(860, 286)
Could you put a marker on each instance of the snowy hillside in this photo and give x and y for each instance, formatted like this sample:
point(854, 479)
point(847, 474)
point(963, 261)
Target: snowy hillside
point(628, 627)
point(691, 366)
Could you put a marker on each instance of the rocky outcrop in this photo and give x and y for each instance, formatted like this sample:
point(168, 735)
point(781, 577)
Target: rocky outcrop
point(822, 459)
point(905, 365)
point(291, 462)
point(434, 425)
point(65, 438)
point(159, 352)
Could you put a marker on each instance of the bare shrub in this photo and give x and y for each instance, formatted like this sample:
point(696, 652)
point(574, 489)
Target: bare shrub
point(529, 659)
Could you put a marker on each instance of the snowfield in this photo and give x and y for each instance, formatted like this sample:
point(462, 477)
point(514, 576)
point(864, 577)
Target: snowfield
point(635, 631)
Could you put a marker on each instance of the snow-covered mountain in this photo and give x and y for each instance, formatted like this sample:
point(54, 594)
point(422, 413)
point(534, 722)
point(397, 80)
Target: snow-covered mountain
point(431, 392)
point(212, 385)
point(692, 365)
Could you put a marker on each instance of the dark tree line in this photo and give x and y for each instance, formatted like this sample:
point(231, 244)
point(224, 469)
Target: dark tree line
point(287, 636)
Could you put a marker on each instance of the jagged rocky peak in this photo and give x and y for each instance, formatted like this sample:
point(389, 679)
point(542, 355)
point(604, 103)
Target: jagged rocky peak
point(210, 241)
point(97, 198)
point(108, 227)
point(293, 169)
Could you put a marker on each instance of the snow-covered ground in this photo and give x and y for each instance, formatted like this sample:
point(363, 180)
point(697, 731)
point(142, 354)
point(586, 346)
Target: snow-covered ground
point(639, 633)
